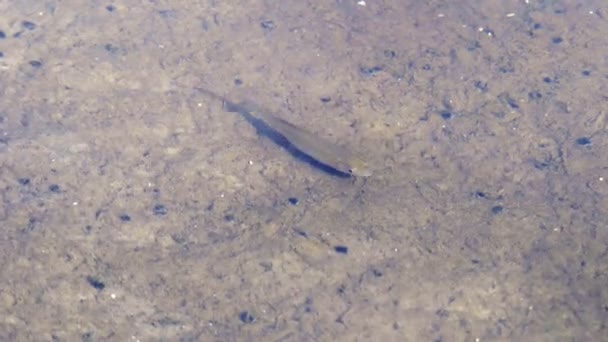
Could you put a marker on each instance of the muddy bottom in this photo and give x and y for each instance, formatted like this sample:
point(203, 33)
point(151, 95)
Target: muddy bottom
point(135, 208)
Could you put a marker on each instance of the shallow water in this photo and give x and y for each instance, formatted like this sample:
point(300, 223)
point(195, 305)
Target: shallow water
point(135, 208)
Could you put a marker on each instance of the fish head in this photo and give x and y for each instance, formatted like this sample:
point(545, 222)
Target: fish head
point(358, 167)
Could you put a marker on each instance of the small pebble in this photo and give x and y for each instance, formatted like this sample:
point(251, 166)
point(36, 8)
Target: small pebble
point(89, 336)
point(497, 209)
point(238, 81)
point(2, 35)
point(54, 188)
point(326, 99)
point(28, 25)
point(583, 141)
point(511, 102)
point(267, 25)
point(341, 249)
point(166, 14)
point(390, 54)
point(446, 114)
point(110, 8)
point(482, 86)
point(111, 48)
point(586, 72)
point(24, 181)
point(480, 194)
point(293, 200)
point(442, 313)
point(506, 69)
point(534, 95)
point(541, 165)
point(557, 40)
point(125, 218)
point(36, 64)
point(229, 218)
point(370, 71)
point(246, 317)
point(159, 210)
point(96, 283)
point(309, 305)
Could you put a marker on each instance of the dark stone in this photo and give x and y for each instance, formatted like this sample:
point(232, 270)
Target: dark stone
point(110, 8)
point(480, 194)
point(557, 40)
point(370, 71)
point(497, 209)
point(325, 99)
point(293, 200)
point(341, 249)
point(246, 317)
point(308, 305)
point(267, 25)
point(54, 188)
point(541, 165)
point(472, 46)
point(87, 337)
point(442, 313)
point(583, 141)
point(24, 181)
point(446, 114)
point(96, 283)
point(482, 86)
point(390, 54)
point(534, 95)
point(511, 102)
point(506, 69)
point(167, 14)
point(125, 218)
point(159, 210)
point(28, 25)
point(36, 64)
point(111, 48)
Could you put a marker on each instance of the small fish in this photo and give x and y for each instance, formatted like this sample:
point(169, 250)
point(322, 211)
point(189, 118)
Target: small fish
point(319, 149)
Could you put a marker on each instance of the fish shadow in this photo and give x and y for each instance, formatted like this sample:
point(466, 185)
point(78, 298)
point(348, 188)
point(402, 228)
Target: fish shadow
point(265, 130)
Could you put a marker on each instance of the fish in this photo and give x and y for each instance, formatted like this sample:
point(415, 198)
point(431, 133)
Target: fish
point(327, 153)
